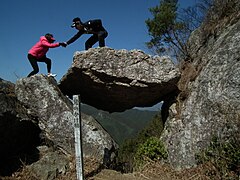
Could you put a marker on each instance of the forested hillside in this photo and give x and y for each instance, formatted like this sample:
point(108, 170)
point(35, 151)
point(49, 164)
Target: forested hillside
point(122, 125)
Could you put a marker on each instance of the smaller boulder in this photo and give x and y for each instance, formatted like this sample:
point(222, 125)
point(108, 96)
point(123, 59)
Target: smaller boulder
point(55, 111)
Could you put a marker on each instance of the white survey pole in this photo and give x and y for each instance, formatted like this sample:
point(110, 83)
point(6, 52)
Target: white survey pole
point(78, 136)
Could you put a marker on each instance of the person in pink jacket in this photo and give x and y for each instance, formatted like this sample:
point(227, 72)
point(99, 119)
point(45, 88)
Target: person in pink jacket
point(38, 53)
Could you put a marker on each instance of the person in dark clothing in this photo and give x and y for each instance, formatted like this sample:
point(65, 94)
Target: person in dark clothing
point(93, 27)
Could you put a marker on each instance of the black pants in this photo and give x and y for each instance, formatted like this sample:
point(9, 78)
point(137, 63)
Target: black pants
point(95, 38)
point(33, 61)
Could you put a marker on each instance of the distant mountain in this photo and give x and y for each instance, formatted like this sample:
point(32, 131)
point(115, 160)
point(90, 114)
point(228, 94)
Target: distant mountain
point(121, 125)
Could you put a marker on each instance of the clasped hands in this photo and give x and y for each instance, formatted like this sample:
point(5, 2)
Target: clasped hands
point(63, 44)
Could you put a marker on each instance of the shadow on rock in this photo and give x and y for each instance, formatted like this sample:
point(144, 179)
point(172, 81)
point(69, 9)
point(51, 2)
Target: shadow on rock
point(18, 142)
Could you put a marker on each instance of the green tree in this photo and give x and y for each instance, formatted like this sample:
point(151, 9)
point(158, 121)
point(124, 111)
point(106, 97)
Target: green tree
point(164, 27)
point(170, 28)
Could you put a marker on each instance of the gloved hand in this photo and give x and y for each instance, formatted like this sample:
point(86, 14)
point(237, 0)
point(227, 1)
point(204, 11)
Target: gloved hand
point(63, 44)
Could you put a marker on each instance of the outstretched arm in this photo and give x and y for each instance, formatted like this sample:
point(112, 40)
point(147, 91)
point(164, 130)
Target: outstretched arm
point(75, 37)
point(50, 45)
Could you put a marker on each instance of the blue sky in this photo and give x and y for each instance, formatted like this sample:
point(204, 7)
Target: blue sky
point(23, 22)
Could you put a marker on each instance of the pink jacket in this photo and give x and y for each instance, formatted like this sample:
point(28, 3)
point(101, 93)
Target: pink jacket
point(40, 49)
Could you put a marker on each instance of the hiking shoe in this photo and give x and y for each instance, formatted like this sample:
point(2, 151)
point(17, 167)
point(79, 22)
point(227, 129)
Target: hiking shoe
point(52, 75)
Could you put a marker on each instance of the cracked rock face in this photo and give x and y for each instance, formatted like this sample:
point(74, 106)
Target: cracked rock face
point(212, 108)
point(44, 99)
point(116, 80)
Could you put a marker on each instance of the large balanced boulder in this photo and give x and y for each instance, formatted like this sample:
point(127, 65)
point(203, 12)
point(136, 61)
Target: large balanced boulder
point(116, 80)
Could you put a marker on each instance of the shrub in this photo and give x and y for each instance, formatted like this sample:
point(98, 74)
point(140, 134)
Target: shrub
point(224, 156)
point(127, 151)
point(152, 149)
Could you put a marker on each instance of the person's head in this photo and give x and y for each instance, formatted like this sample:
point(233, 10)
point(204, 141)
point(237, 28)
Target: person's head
point(77, 23)
point(49, 37)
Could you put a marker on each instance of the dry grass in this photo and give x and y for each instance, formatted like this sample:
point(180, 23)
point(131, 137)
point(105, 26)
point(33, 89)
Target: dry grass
point(91, 167)
point(157, 170)
point(189, 72)
point(222, 14)
point(152, 170)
